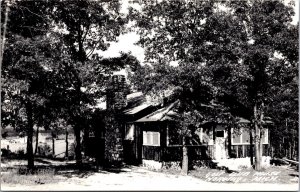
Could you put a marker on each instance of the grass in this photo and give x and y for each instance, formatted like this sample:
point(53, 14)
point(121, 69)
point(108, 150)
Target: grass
point(23, 176)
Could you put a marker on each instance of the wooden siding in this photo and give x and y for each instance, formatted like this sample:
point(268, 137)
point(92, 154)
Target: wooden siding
point(152, 153)
point(174, 153)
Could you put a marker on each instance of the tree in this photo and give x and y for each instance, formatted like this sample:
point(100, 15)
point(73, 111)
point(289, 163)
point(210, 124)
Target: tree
point(51, 50)
point(176, 31)
point(86, 26)
point(230, 51)
point(250, 77)
point(31, 85)
point(22, 69)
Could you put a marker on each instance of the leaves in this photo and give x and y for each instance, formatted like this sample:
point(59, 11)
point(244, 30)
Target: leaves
point(225, 55)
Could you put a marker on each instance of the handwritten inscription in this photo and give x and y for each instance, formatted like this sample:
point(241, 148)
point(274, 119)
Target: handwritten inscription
point(242, 177)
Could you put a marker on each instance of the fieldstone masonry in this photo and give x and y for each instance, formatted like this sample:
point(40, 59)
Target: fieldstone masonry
point(116, 100)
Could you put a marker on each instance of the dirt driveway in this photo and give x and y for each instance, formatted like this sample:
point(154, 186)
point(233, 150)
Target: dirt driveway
point(138, 178)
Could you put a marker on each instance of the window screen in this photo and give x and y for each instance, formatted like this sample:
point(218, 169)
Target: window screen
point(151, 138)
point(245, 136)
point(129, 132)
point(265, 136)
point(236, 136)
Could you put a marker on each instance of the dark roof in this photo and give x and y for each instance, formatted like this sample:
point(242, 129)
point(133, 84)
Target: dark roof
point(162, 114)
point(136, 109)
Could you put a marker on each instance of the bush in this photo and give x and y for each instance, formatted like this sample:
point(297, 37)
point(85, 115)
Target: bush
point(4, 135)
point(45, 150)
point(20, 153)
point(5, 152)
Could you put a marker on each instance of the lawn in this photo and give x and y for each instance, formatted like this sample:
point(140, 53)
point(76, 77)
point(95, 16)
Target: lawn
point(61, 175)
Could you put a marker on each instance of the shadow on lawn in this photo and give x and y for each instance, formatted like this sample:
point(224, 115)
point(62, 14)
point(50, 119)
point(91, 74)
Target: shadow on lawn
point(62, 168)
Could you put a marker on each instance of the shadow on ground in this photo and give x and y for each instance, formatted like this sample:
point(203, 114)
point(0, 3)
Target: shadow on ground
point(62, 168)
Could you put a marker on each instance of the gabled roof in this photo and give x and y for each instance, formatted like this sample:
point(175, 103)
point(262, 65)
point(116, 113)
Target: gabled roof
point(136, 109)
point(131, 98)
point(162, 114)
point(267, 120)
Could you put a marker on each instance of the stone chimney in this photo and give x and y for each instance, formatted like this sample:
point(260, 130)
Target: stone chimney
point(115, 101)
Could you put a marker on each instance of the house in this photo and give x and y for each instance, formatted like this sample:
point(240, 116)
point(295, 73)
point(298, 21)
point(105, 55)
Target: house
point(155, 137)
point(147, 133)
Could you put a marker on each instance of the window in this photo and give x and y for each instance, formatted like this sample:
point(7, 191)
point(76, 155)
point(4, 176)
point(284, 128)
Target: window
point(207, 135)
point(219, 133)
point(236, 136)
point(265, 137)
point(246, 136)
point(242, 136)
point(151, 138)
point(129, 132)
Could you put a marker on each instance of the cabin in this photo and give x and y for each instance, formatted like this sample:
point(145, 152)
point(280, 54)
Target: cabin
point(145, 132)
point(155, 137)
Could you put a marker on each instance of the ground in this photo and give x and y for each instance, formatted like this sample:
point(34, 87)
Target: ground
point(62, 175)
point(128, 178)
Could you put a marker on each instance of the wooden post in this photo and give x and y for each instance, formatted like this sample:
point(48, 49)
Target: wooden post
point(67, 144)
point(36, 140)
point(53, 145)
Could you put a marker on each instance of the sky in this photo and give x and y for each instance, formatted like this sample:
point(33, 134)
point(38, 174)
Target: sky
point(126, 42)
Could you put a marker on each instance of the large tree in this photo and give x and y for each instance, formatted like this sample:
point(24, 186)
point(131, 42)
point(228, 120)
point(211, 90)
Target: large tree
point(26, 80)
point(261, 64)
point(175, 31)
point(54, 43)
point(87, 26)
point(227, 49)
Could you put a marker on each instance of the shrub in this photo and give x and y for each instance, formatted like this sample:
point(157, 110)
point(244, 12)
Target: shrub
point(20, 153)
point(4, 135)
point(45, 150)
point(5, 152)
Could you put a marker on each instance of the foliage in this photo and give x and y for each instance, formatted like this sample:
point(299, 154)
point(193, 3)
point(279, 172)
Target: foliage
point(228, 55)
point(51, 71)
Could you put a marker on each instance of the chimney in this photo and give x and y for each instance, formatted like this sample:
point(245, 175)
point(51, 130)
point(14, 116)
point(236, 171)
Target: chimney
point(116, 98)
point(115, 101)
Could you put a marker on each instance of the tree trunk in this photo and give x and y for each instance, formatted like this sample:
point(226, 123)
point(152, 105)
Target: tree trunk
point(251, 146)
point(30, 157)
point(257, 140)
point(294, 149)
point(53, 145)
point(229, 142)
point(67, 144)
point(36, 140)
point(78, 156)
point(185, 159)
point(258, 118)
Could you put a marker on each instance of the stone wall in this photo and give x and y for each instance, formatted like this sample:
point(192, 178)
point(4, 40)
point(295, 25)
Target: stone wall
point(116, 100)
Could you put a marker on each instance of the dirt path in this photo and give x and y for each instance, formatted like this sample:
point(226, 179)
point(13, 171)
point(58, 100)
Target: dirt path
point(141, 179)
